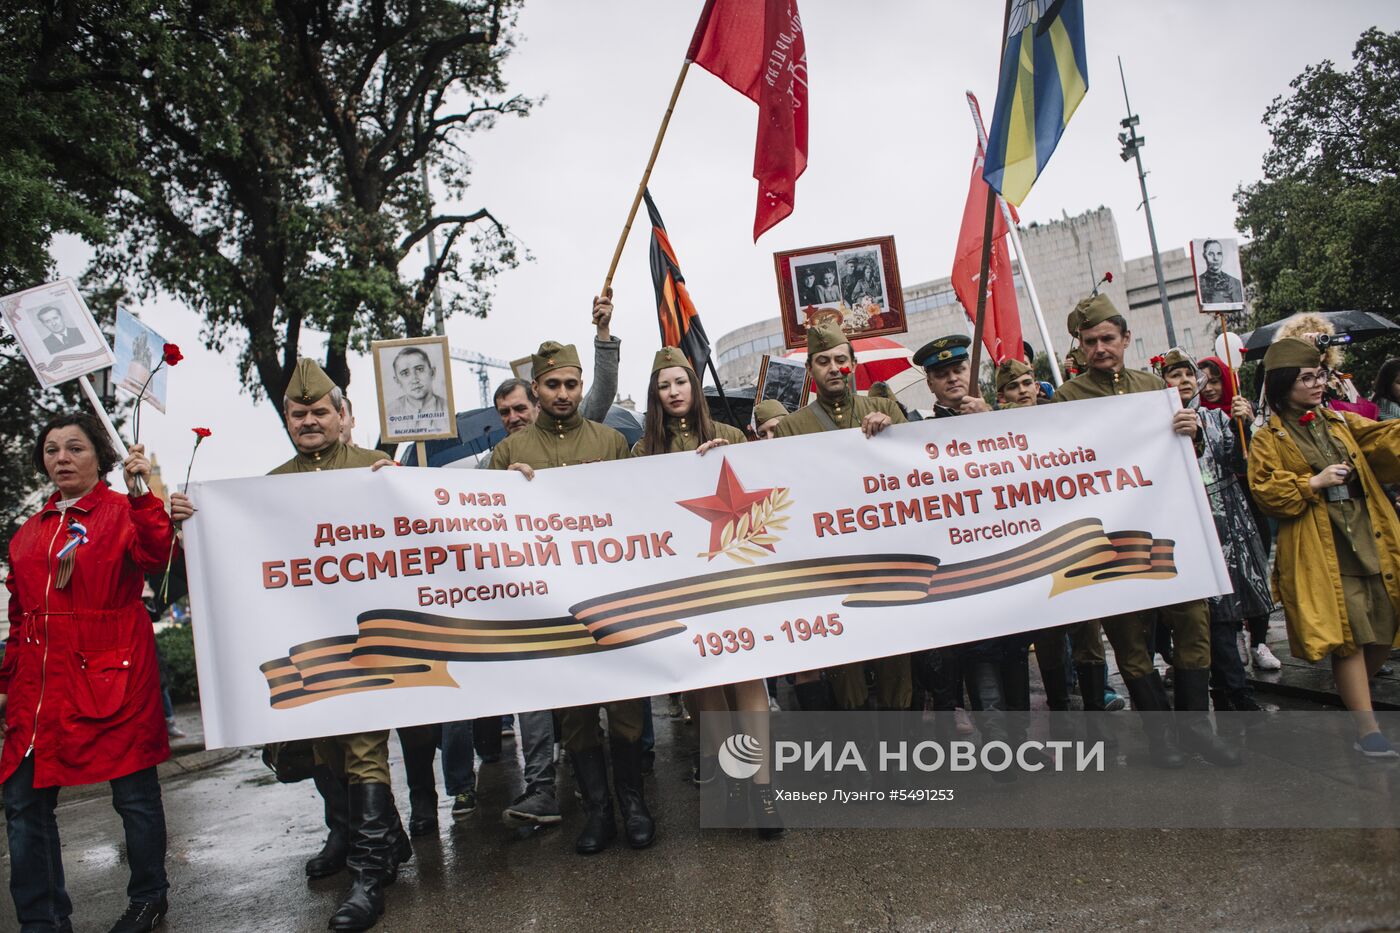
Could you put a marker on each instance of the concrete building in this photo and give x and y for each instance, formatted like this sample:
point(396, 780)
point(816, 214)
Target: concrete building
point(1066, 257)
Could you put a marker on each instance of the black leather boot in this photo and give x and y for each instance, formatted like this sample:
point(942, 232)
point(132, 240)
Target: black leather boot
point(1194, 731)
point(591, 775)
point(1093, 683)
point(627, 780)
point(1149, 696)
point(1056, 686)
point(765, 811)
point(373, 821)
point(335, 795)
point(813, 696)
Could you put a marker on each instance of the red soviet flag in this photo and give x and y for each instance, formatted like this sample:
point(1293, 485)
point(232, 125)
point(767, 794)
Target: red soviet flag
point(1001, 329)
point(756, 47)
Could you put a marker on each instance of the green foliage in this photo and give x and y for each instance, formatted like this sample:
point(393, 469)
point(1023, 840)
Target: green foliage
point(264, 162)
point(176, 647)
point(1325, 220)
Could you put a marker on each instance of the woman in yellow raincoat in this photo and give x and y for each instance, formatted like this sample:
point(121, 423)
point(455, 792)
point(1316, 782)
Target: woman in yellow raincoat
point(1337, 566)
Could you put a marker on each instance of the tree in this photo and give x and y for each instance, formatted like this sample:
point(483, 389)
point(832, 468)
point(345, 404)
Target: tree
point(275, 150)
point(36, 204)
point(1325, 220)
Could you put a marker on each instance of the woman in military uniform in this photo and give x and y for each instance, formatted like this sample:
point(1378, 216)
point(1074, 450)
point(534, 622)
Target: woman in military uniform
point(678, 420)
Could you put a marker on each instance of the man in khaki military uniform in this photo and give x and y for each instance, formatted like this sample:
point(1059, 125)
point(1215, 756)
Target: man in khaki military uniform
point(830, 362)
point(1016, 384)
point(357, 763)
point(560, 436)
point(1105, 337)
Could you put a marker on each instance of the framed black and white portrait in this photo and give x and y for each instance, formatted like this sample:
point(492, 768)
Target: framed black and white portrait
point(414, 378)
point(782, 379)
point(853, 285)
point(1216, 266)
point(56, 332)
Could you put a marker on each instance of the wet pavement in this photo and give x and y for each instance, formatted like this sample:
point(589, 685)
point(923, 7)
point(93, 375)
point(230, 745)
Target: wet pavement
point(238, 841)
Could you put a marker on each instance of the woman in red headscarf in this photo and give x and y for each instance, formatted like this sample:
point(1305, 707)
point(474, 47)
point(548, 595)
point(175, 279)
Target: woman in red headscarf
point(1218, 394)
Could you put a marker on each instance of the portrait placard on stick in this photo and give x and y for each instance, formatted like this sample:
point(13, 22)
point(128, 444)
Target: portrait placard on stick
point(782, 379)
point(414, 379)
point(1216, 265)
point(56, 332)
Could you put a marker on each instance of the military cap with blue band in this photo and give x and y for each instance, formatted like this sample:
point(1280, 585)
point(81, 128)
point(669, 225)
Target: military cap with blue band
point(944, 351)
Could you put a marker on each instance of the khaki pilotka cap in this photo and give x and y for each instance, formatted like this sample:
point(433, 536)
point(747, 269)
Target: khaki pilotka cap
point(1009, 371)
point(1091, 312)
point(553, 355)
point(767, 410)
point(668, 357)
point(309, 382)
point(1292, 352)
point(1174, 358)
point(824, 337)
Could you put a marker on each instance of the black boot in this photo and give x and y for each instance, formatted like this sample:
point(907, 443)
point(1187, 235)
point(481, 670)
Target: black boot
point(1093, 683)
point(765, 811)
point(373, 821)
point(591, 775)
point(1194, 731)
point(813, 696)
point(334, 793)
point(627, 780)
point(1149, 697)
point(422, 809)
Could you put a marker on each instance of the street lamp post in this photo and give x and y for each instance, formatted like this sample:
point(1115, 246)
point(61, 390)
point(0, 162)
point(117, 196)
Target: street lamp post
point(1132, 149)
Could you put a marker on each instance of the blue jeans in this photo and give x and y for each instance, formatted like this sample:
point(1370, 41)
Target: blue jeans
point(36, 862)
point(535, 736)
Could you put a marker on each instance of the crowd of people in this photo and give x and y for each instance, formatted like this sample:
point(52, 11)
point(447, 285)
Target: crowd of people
point(80, 688)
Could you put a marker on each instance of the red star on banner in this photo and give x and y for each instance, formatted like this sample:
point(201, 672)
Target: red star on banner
point(730, 501)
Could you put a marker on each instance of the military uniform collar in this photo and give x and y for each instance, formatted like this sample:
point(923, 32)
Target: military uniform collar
point(321, 457)
point(839, 407)
point(1108, 380)
point(558, 426)
point(680, 427)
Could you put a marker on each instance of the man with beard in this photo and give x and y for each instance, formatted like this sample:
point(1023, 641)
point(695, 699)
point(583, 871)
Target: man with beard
point(560, 436)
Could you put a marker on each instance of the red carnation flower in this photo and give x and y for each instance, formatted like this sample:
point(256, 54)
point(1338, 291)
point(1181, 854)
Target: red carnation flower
point(172, 354)
point(202, 432)
point(1157, 361)
point(1307, 417)
point(1108, 277)
point(845, 370)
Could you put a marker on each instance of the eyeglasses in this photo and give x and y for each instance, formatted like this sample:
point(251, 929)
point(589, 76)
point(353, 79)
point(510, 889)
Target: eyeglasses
point(1313, 380)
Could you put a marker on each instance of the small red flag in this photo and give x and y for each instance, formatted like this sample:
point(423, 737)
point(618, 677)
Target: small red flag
point(756, 47)
point(1001, 329)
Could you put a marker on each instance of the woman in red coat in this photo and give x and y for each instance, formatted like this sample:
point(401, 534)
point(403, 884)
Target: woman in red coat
point(79, 685)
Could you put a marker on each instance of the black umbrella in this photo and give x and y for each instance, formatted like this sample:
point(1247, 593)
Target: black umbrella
point(1358, 325)
point(477, 432)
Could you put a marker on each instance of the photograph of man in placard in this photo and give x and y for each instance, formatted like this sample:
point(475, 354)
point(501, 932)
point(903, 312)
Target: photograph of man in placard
point(59, 334)
point(1217, 286)
point(420, 407)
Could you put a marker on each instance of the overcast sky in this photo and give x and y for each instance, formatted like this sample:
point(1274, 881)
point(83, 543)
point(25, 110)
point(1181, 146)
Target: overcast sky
point(891, 144)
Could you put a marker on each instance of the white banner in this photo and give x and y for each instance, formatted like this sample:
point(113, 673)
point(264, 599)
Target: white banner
point(348, 601)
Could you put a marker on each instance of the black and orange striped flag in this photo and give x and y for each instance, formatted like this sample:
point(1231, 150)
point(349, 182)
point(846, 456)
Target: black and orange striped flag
point(680, 323)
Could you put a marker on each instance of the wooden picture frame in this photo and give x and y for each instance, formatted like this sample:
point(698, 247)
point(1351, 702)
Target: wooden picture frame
point(414, 405)
point(854, 284)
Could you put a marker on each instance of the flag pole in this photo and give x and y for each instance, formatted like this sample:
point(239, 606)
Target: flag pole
point(980, 322)
point(646, 177)
point(1013, 230)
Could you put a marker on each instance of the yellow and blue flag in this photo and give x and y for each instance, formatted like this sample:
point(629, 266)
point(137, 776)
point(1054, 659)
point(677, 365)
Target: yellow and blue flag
point(1044, 74)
